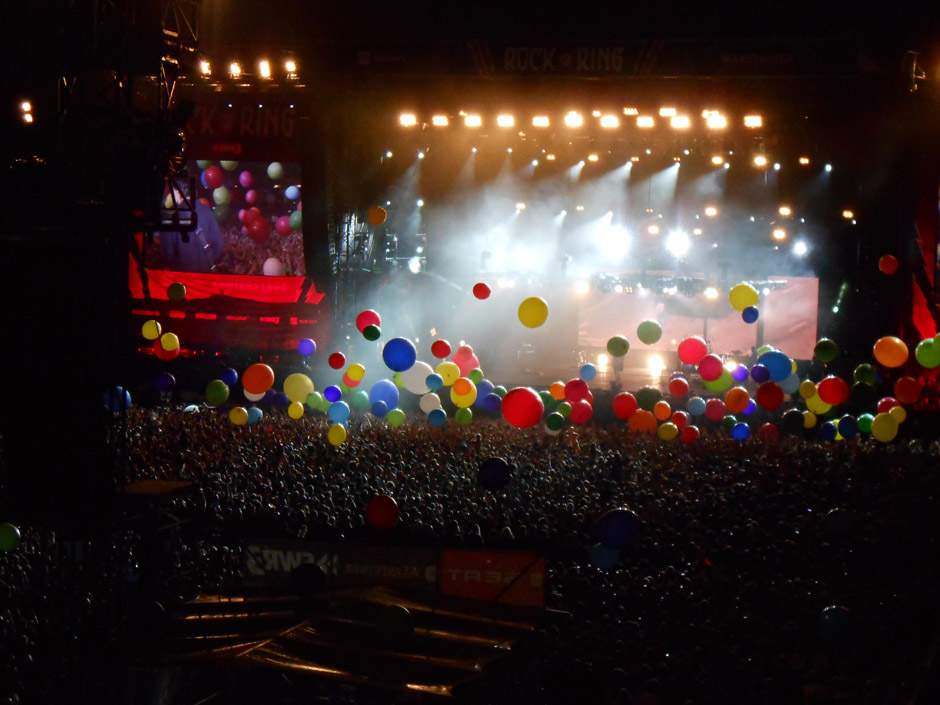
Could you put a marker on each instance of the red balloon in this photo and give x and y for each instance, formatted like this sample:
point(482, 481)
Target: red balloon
point(576, 390)
point(770, 396)
point(337, 360)
point(680, 419)
point(259, 230)
point(252, 214)
point(350, 382)
point(690, 434)
point(581, 412)
point(886, 404)
point(214, 176)
point(908, 390)
point(257, 378)
point(624, 405)
point(368, 318)
point(283, 226)
point(481, 291)
point(589, 398)
point(164, 354)
point(382, 512)
point(833, 390)
point(692, 350)
point(678, 386)
point(715, 410)
point(768, 432)
point(522, 407)
point(440, 349)
point(710, 368)
point(888, 264)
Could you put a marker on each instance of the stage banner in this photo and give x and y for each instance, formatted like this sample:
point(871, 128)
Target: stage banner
point(270, 562)
point(505, 577)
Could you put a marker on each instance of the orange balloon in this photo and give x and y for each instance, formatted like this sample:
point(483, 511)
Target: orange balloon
point(737, 399)
point(462, 386)
point(890, 351)
point(662, 410)
point(258, 378)
point(557, 390)
point(643, 421)
point(907, 390)
point(888, 264)
point(376, 215)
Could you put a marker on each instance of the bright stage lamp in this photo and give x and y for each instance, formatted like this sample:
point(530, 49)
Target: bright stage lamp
point(753, 121)
point(784, 210)
point(439, 121)
point(780, 234)
point(204, 68)
point(234, 70)
point(718, 160)
point(678, 243)
point(26, 106)
point(711, 293)
point(593, 157)
point(804, 160)
point(760, 160)
point(290, 67)
point(540, 121)
point(27, 117)
point(645, 121)
point(472, 121)
point(505, 121)
point(653, 229)
point(711, 211)
point(667, 112)
point(800, 249)
point(848, 215)
point(582, 287)
point(264, 69)
point(680, 122)
point(715, 121)
point(408, 120)
point(655, 365)
point(610, 121)
point(573, 119)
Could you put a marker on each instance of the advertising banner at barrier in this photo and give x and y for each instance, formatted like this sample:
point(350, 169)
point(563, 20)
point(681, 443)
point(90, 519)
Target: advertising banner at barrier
point(510, 578)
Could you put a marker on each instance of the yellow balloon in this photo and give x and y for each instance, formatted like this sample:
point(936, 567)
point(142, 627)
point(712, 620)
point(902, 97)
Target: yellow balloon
point(884, 428)
point(793, 365)
point(668, 431)
point(464, 401)
point(898, 413)
point(298, 387)
point(817, 405)
point(169, 341)
point(742, 295)
point(449, 372)
point(238, 416)
point(336, 435)
point(809, 419)
point(807, 389)
point(151, 329)
point(295, 410)
point(356, 372)
point(533, 312)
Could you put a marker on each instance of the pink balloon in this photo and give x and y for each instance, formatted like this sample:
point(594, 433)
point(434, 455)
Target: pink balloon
point(710, 368)
point(283, 226)
point(214, 176)
point(246, 179)
point(251, 196)
point(241, 215)
point(368, 318)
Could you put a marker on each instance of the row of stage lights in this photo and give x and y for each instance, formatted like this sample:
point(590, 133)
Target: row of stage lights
point(713, 120)
point(265, 70)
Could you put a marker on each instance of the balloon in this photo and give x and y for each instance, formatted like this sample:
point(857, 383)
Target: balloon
point(533, 312)
point(165, 382)
point(437, 417)
point(476, 375)
point(117, 400)
point(360, 400)
point(429, 402)
point(282, 226)
point(792, 421)
point(833, 390)
point(275, 171)
point(295, 410)
point(368, 318)
point(690, 434)
point(848, 427)
point(791, 385)
point(750, 408)
point(259, 230)
point(624, 405)
point(576, 390)
point(440, 349)
point(434, 382)
point(668, 431)
point(604, 558)
point(739, 374)
point(825, 350)
point(246, 179)
point(481, 291)
point(258, 378)
point(696, 406)
point(737, 399)
point(217, 392)
point(618, 346)
point(890, 351)
point(191, 409)
point(807, 389)
point(292, 193)
point(229, 165)
point(415, 378)
point(680, 419)
point(750, 314)
point(724, 382)
point(449, 373)
point(336, 435)
point(9, 537)
point(176, 291)
point(494, 473)
point(297, 387)
point(642, 421)
point(715, 410)
point(251, 196)
point(816, 405)
point(770, 396)
point(253, 397)
point(337, 360)
point(884, 427)
point(332, 393)
point(778, 365)
point(888, 264)
point(555, 421)
point(646, 397)
point(710, 368)
point(272, 267)
point(809, 419)
point(760, 374)
point(692, 350)
point(214, 177)
point(618, 529)
point(741, 296)
point(169, 342)
point(864, 423)
point(581, 412)
point(865, 373)
point(221, 196)
point(828, 431)
point(356, 372)
point(741, 431)
point(927, 353)
point(399, 354)
point(522, 407)
point(151, 329)
point(385, 391)
point(463, 416)
point(898, 413)
point(649, 332)
point(465, 360)
point(376, 215)
point(395, 418)
point(338, 412)
point(678, 386)
point(908, 390)
point(662, 410)
point(296, 221)
point(588, 372)
point(728, 421)
point(492, 402)
point(306, 347)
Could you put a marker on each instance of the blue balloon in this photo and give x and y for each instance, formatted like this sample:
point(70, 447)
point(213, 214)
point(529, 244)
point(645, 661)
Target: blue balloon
point(399, 354)
point(164, 382)
point(484, 388)
point(739, 374)
point(741, 431)
point(778, 365)
point(750, 314)
point(338, 412)
point(332, 393)
point(270, 397)
point(384, 391)
point(229, 376)
point(750, 408)
point(588, 372)
point(202, 179)
point(292, 193)
point(492, 401)
point(848, 426)
point(117, 400)
point(306, 347)
point(618, 528)
point(696, 406)
point(281, 400)
point(828, 431)
point(438, 417)
point(254, 415)
point(604, 558)
point(760, 374)
point(434, 381)
point(379, 409)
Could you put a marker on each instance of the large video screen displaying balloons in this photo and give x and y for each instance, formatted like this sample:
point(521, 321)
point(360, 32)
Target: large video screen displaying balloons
point(250, 221)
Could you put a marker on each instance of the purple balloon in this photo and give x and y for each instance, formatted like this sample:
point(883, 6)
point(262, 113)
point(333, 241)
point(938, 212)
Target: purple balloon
point(164, 382)
point(739, 374)
point(246, 179)
point(492, 402)
point(306, 347)
point(760, 374)
point(332, 393)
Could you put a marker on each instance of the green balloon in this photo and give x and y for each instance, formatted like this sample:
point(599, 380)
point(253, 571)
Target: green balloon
point(563, 410)
point(864, 423)
point(555, 421)
point(372, 332)
point(216, 392)
point(9, 537)
point(476, 375)
point(344, 389)
point(221, 212)
point(649, 332)
point(825, 350)
point(647, 397)
point(296, 220)
point(221, 196)
point(927, 353)
point(728, 422)
point(464, 416)
point(764, 349)
point(360, 400)
point(618, 346)
point(499, 391)
point(396, 378)
point(865, 373)
point(229, 165)
point(395, 418)
point(203, 163)
point(275, 171)
point(176, 291)
point(722, 384)
point(315, 401)
point(546, 398)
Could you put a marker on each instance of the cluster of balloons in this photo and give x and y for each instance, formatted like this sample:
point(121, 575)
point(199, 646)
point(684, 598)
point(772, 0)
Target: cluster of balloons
point(743, 298)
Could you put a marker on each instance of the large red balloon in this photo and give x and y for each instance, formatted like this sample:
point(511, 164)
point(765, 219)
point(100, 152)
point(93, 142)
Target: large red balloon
point(368, 318)
point(710, 368)
point(770, 396)
point(692, 350)
point(581, 412)
point(382, 512)
point(624, 405)
point(440, 349)
point(678, 386)
point(214, 176)
point(908, 390)
point(715, 410)
point(576, 390)
point(833, 390)
point(522, 407)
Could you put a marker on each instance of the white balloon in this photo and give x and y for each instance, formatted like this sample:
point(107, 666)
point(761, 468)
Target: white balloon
point(254, 397)
point(550, 432)
point(429, 402)
point(272, 267)
point(413, 378)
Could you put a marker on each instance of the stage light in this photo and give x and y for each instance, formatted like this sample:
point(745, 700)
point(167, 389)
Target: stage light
point(784, 210)
point(760, 160)
point(753, 121)
point(634, 158)
point(680, 122)
point(653, 229)
point(730, 365)
point(420, 202)
point(804, 160)
point(540, 121)
point(419, 249)
point(290, 68)
point(718, 160)
point(388, 155)
point(439, 121)
point(667, 112)
point(414, 265)
point(579, 208)
point(550, 157)
point(727, 165)
point(593, 157)
point(848, 215)
point(505, 120)
point(645, 121)
point(711, 293)
point(235, 70)
point(509, 151)
point(581, 287)
point(520, 206)
point(828, 168)
point(715, 121)
point(800, 249)
point(696, 231)
point(678, 243)
point(506, 283)
point(420, 155)
point(602, 361)
point(28, 118)
point(711, 211)
point(535, 162)
point(473, 121)
point(618, 288)
point(473, 149)
point(596, 113)
point(573, 119)
point(780, 234)
point(204, 68)
point(264, 68)
point(26, 106)
point(655, 365)
point(408, 120)
point(776, 166)
point(610, 121)
point(631, 111)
